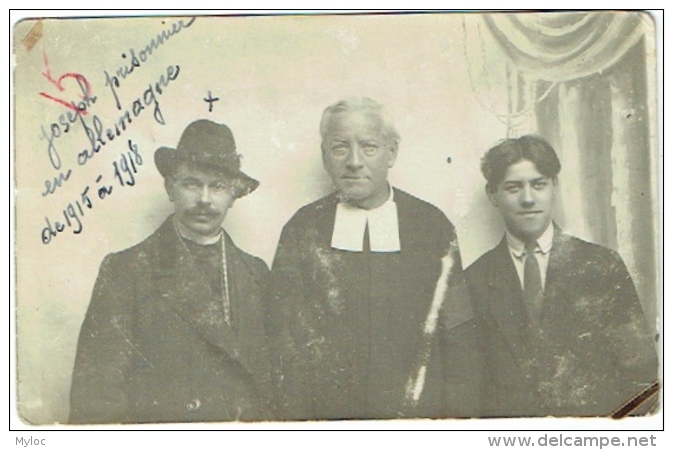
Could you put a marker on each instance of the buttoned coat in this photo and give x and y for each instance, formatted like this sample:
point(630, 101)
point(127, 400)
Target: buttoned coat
point(349, 327)
point(154, 346)
point(593, 350)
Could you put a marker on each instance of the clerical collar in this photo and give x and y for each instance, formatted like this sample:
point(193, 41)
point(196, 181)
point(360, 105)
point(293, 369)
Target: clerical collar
point(351, 222)
point(518, 247)
point(186, 233)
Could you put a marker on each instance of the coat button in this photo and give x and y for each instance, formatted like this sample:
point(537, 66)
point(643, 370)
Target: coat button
point(193, 405)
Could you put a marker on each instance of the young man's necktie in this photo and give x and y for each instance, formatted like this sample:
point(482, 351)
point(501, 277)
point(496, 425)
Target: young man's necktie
point(532, 284)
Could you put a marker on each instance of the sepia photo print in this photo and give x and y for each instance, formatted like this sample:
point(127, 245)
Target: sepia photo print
point(336, 216)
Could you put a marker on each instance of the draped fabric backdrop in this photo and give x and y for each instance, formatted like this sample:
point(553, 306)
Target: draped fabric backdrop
point(581, 81)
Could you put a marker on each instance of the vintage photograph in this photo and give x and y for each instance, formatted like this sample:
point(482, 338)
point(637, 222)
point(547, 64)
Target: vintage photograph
point(301, 217)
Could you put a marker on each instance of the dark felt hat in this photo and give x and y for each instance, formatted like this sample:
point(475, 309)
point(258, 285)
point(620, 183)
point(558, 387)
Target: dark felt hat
point(208, 144)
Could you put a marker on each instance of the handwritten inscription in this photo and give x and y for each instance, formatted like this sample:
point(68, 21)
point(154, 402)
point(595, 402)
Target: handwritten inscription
point(135, 61)
point(96, 132)
point(81, 81)
point(99, 135)
point(56, 130)
point(210, 100)
point(125, 170)
point(100, 129)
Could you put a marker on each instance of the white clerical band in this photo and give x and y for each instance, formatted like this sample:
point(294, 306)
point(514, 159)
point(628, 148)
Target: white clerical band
point(350, 224)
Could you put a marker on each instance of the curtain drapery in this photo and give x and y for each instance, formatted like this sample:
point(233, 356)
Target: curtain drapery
point(565, 46)
point(585, 82)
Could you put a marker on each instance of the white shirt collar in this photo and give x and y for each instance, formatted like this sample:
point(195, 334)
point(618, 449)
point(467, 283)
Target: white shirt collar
point(186, 233)
point(544, 242)
point(350, 224)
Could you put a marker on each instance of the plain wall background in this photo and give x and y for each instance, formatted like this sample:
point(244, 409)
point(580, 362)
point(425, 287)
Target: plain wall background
point(273, 76)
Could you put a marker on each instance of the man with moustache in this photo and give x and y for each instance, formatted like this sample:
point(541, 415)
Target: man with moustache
point(368, 311)
point(174, 331)
point(562, 331)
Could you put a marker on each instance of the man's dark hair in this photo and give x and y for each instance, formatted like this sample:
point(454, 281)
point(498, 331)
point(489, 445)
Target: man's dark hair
point(510, 151)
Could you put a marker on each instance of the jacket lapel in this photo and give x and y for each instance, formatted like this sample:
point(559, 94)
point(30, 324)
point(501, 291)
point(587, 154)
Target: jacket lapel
point(184, 287)
point(507, 304)
point(559, 283)
point(246, 289)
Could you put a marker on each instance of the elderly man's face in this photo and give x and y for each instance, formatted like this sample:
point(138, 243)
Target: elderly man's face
point(357, 155)
point(201, 199)
point(525, 199)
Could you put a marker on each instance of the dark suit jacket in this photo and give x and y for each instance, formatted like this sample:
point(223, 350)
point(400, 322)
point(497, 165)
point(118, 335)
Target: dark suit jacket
point(348, 326)
point(154, 346)
point(593, 352)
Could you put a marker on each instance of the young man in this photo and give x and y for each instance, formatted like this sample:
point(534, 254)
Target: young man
point(562, 331)
point(174, 331)
point(358, 284)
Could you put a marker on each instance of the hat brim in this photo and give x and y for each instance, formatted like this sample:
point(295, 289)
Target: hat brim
point(166, 159)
